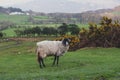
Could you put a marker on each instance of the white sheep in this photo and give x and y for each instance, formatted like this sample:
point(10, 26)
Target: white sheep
point(51, 48)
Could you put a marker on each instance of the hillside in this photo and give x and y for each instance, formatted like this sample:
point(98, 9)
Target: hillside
point(9, 10)
point(114, 13)
point(117, 8)
point(48, 18)
point(17, 19)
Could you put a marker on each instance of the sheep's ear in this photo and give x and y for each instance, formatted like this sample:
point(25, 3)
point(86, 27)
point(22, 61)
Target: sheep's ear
point(64, 42)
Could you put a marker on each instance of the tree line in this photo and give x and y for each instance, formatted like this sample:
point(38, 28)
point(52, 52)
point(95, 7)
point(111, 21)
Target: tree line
point(64, 29)
point(9, 10)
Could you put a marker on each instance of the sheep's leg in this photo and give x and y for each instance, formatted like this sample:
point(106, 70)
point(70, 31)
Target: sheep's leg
point(54, 59)
point(57, 60)
point(42, 62)
point(39, 60)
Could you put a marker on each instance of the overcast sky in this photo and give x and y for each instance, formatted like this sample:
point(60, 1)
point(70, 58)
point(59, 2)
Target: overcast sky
point(72, 6)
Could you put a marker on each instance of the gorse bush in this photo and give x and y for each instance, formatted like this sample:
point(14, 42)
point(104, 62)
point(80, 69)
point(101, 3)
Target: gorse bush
point(73, 43)
point(105, 35)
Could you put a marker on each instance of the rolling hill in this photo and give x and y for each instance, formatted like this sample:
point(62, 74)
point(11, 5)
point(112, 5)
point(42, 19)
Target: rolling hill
point(48, 18)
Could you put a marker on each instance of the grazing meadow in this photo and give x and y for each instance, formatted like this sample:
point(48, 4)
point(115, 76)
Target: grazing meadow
point(18, 61)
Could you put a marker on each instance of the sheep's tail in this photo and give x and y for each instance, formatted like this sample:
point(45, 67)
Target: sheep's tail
point(37, 54)
point(36, 50)
point(40, 53)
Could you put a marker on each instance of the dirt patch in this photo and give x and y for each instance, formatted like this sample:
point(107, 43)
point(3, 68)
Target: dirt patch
point(27, 39)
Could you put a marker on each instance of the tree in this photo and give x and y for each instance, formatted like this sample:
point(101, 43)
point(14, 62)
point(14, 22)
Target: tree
point(63, 29)
point(36, 30)
point(45, 31)
point(52, 31)
point(11, 9)
point(74, 29)
point(19, 32)
point(1, 34)
point(27, 31)
point(49, 31)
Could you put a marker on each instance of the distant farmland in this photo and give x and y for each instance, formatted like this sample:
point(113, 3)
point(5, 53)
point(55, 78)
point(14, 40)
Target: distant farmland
point(22, 22)
point(17, 19)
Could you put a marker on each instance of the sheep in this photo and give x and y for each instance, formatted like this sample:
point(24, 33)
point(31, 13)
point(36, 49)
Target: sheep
point(51, 48)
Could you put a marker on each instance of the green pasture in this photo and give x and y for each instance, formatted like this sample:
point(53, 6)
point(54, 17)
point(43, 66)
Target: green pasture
point(17, 19)
point(20, 19)
point(18, 62)
point(83, 25)
point(41, 17)
point(9, 32)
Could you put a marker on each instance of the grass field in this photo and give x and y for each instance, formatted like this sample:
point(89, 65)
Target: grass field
point(17, 19)
point(18, 62)
point(20, 19)
point(10, 32)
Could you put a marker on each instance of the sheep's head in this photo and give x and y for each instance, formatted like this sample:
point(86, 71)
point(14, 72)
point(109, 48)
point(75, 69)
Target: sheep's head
point(66, 41)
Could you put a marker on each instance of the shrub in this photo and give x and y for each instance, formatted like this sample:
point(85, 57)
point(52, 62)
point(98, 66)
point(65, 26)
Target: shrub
point(73, 43)
point(105, 35)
